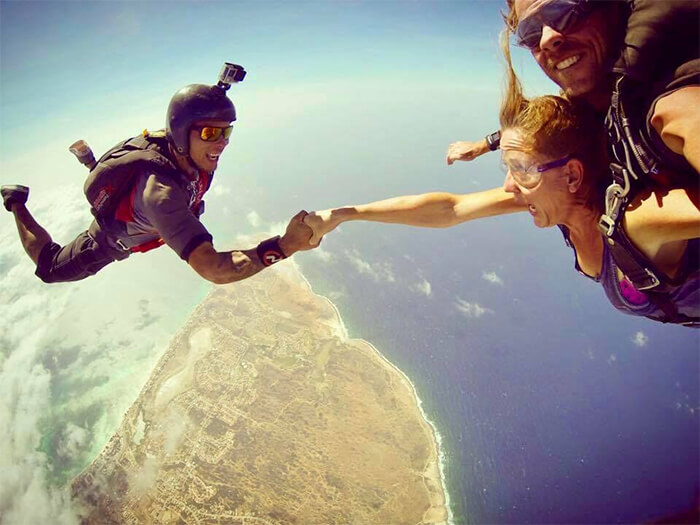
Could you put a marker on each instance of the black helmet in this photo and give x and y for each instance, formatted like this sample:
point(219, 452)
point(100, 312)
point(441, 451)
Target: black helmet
point(191, 104)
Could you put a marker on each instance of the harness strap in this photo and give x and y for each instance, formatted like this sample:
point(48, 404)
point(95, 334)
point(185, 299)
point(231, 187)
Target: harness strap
point(634, 265)
point(672, 315)
point(644, 277)
point(630, 170)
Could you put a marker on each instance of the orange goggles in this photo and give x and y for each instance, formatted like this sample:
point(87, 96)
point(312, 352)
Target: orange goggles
point(212, 133)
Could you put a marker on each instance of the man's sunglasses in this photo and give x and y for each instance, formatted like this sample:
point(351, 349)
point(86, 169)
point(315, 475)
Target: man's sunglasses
point(560, 15)
point(212, 133)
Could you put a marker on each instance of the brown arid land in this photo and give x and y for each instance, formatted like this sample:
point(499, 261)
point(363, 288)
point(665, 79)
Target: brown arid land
point(261, 411)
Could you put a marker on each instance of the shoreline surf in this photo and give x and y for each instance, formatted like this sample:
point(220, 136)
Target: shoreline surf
point(437, 440)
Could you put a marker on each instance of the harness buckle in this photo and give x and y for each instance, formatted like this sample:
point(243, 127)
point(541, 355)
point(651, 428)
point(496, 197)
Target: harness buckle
point(654, 281)
point(606, 224)
point(614, 198)
point(123, 246)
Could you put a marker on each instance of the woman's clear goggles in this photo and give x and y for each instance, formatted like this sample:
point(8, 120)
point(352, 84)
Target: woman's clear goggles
point(212, 133)
point(560, 15)
point(529, 177)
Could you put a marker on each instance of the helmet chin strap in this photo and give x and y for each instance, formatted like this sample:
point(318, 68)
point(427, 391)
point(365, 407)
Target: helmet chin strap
point(185, 159)
point(191, 163)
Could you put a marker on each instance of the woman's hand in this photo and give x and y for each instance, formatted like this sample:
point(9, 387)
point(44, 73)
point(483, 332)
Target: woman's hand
point(466, 151)
point(320, 222)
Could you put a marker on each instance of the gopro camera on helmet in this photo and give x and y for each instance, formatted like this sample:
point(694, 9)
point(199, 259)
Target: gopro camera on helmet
point(230, 74)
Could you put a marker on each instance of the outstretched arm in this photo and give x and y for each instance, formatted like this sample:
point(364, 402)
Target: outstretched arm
point(228, 267)
point(431, 210)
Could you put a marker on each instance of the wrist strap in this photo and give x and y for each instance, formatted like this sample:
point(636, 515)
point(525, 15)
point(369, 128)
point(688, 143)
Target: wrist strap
point(269, 251)
point(493, 140)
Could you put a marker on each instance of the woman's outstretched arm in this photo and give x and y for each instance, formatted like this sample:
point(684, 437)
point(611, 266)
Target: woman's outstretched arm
point(430, 210)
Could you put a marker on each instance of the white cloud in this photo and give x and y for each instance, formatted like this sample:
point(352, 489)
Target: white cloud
point(472, 309)
point(322, 254)
point(640, 339)
point(218, 189)
point(24, 399)
point(423, 287)
point(73, 440)
point(381, 271)
point(612, 359)
point(278, 228)
point(254, 219)
point(337, 295)
point(492, 277)
point(27, 309)
point(141, 481)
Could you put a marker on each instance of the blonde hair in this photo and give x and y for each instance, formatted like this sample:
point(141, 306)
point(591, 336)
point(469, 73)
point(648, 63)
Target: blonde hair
point(555, 126)
point(511, 17)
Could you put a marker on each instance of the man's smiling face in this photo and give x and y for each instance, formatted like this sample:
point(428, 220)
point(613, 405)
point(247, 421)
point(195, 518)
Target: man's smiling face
point(204, 154)
point(577, 59)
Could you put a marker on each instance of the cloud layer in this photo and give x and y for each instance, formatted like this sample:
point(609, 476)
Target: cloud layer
point(73, 356)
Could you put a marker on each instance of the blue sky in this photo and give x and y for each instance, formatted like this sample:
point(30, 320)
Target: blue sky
point(138, 49)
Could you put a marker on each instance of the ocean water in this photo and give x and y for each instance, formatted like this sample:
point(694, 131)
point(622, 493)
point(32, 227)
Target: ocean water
point(553, 407)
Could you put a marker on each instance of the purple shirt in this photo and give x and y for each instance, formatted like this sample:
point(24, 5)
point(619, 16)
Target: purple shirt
point(624, 297)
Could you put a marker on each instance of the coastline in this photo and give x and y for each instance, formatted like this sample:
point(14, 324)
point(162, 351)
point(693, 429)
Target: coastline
point(426, 476)
point(436, 469)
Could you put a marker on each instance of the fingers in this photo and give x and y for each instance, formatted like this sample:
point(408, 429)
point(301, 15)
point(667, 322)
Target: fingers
point(455, 152)
point(313, 221)
point(315, 239)
point(300, 216)
point(464, 151)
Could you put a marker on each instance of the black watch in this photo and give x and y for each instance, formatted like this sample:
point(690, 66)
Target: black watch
point(494, 140)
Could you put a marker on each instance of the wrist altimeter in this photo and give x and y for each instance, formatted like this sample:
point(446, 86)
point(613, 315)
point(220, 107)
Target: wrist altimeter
point(269, 251)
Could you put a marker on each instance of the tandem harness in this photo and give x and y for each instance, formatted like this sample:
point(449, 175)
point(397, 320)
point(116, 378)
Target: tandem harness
point(644, 73)
point(633, 167)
